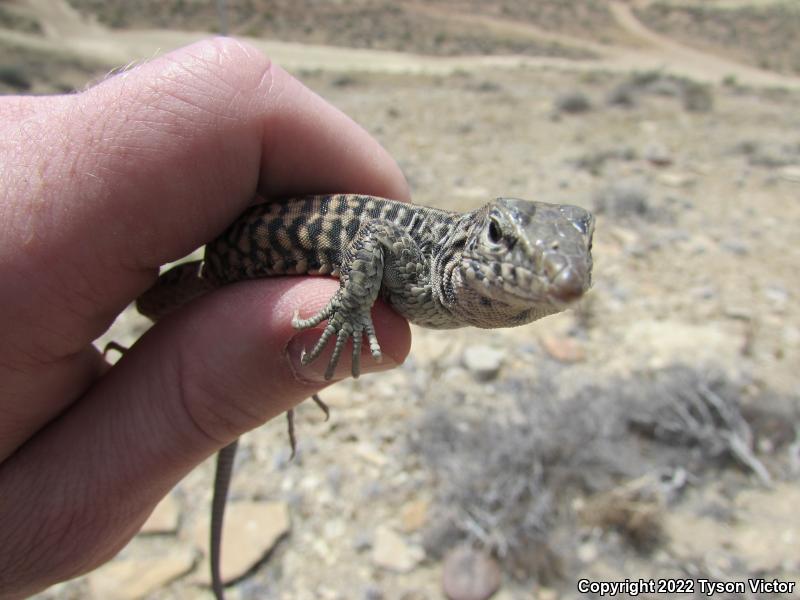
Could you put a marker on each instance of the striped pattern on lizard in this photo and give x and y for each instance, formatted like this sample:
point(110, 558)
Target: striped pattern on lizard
point(505, 264)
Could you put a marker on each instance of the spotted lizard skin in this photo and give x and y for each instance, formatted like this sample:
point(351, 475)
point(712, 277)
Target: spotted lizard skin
point(505, 264)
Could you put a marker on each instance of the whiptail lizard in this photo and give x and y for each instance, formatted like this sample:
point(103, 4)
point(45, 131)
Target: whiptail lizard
point(505, 264)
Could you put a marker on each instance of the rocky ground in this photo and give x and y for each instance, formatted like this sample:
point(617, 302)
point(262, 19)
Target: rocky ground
point(651, 432)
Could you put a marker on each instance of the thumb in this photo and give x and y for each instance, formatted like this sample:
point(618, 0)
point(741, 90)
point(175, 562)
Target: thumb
point(231, 361)
point(222, 365)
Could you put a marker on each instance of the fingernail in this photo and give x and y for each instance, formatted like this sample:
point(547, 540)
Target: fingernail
point(315, 370)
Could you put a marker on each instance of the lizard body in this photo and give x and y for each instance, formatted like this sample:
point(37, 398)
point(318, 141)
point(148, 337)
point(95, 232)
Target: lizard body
point(505, 264)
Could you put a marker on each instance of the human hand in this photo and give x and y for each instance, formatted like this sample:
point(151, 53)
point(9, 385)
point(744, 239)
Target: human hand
point(99, 189)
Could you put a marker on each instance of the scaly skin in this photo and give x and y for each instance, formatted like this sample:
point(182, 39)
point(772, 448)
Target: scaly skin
point(505, 264)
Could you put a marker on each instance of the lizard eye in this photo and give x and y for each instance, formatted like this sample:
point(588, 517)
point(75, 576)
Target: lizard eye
point(494, 233)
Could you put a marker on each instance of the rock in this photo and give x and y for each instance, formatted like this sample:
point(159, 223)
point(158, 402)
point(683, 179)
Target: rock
point(251, 531)
point(371, 454)
point(778, 296)
point(469, 574)
point(791, 173)
point(587, 552)
point(390, 551)
point(771, 156)
point(362, 541)
point(736, 246)
point(164, 518)
point(131, 578)
point(658, 155)
point(334, 529)
point(573, 103)
point(676, 179)
point(471, 193)
point(413, 515)
point(373, 592)
point(563, 349)
point(483, 362)
point(546, 593)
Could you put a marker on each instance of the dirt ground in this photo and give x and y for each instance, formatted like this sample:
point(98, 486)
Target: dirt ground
point(652, 432)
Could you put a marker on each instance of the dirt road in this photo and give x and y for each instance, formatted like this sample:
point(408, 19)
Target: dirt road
point(65, 31)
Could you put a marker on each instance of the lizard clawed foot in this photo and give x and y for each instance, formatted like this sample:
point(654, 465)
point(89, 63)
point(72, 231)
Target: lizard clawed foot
point(343, 323)
point(290, 422)
point(323, 407)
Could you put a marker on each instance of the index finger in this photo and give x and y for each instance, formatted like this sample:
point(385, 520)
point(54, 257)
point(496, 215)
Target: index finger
point(152, 163)
point(215, 123)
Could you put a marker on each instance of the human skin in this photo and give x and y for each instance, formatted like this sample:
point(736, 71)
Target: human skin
point(99, 189)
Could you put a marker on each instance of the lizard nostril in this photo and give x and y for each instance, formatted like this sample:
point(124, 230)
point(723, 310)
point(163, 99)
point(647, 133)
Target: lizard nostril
point(554, 245)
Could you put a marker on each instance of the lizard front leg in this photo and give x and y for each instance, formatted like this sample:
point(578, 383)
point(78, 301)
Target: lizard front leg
point(349, 311)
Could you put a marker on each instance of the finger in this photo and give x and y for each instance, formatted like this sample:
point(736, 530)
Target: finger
point(149, 165)
point(104, 186)
point(163, 408)
point(13, 109)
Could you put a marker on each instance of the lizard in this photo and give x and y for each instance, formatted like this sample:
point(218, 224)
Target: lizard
point(504, 264)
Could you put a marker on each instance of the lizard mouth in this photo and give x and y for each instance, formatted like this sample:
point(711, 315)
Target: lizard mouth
point(567, 287)
point(524, 287)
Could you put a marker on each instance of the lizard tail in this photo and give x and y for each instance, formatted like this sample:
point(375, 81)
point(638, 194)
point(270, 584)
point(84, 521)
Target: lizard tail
point(222, 480)
point(173, 289)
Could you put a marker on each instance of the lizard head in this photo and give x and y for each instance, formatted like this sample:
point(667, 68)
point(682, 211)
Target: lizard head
point(527, 259)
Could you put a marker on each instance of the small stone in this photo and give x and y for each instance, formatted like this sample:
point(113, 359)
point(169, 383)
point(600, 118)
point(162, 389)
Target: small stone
point(658, 155)
point(740, 313)
point(251, 531)
point(413, 515)
point(587, 552)
point(777, 294)
point(369, 453)
point(164, 518)
point(390, 551)
point(737, 247)
point(362, 541)
point(373, 592)
point(483, 362)
point(626, 238)
point(563, 349)
point(677, 180)
point(469, 574)
point(334, 529)
point(131, 578)
point(471, 192)
point(791, 173)
point(546, 593)
point(703, 292)
point(573, 102)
